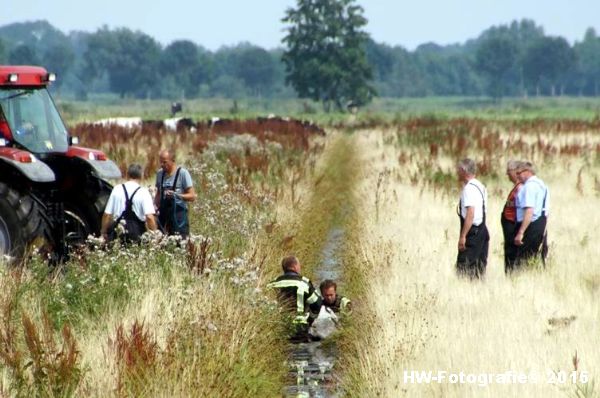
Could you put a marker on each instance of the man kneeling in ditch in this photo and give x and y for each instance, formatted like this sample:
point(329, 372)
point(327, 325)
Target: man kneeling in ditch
point(333, 306)
point(335, 302)
point(297, 294)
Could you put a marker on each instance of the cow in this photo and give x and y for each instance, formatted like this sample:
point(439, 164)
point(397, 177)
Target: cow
point(153, 124)
point(179, 124)
point(126, 122)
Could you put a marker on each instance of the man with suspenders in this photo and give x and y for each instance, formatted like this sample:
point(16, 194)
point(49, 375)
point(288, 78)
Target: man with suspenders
point(532, 203)
point(132, 204)
point(174, 188)
point(473, 242)
point(508, 217)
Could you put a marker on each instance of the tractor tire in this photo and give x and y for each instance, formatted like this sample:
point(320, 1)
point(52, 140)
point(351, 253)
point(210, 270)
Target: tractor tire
point(83, 217)
point(21, 222)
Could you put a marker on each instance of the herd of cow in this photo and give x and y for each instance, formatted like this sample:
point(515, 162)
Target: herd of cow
point(214, 124)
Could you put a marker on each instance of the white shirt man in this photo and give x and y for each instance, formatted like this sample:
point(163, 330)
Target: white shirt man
point(473, 242)
point(142, 204)
point(473, 195)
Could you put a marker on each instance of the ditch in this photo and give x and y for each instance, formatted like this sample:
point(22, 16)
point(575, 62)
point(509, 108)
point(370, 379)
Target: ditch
point(320, 245)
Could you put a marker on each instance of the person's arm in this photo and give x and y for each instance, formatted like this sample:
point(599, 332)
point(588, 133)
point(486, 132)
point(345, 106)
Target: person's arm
point(527, 216)
point(151, 222)
point(462, 240)
point(189, 195)
point(148, 209)
point(107, 216)
point(187, 185)
point(106, 221)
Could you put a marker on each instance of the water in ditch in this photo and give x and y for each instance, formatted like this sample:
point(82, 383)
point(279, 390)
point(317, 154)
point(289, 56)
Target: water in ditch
point(311, 364)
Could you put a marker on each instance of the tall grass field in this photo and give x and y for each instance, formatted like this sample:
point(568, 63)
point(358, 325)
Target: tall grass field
point(195, 319)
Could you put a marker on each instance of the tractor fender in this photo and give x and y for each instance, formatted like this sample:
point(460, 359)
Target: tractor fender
point(104, 167)
point(26, 163)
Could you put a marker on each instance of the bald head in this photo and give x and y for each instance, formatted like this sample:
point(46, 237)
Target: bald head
point(167, 160)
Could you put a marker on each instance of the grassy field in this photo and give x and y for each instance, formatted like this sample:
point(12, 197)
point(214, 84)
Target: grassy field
point(418, 316)
point(166, 320)
point(381, 109)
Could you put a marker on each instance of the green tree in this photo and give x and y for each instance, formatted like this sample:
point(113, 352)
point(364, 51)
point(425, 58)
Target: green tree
point(547, 62)
point(522, 34)
point(588, 55)
point(23, 55)
point(495, 57)
point(408, 78)
point(381, 58)
point(130, 59)
point(59, 59)
point(187, 66)
point(325, 52)
point(257, 69)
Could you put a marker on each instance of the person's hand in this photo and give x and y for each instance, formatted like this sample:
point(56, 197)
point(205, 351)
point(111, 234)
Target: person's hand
point(519, 239)
point(169, 193)
point(462, 244)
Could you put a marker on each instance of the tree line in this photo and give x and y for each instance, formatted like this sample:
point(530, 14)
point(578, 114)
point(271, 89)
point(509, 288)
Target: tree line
point(516, 59)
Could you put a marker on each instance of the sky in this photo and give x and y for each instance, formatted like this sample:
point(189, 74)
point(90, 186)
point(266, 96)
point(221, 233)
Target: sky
point(216, 23)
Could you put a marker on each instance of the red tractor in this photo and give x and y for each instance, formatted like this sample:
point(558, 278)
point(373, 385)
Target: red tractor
point(50, 189)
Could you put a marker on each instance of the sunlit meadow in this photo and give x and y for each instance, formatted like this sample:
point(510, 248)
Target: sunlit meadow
point(419, 316)
point(193, 319)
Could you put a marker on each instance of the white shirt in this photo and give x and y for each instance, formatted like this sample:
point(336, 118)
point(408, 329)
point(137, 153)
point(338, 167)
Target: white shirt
point(473, 195)
point(534, 194)
point(142, 201)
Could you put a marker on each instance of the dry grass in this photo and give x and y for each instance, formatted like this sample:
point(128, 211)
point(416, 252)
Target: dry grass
point(186, 339)
point(193, 321)
point(419, 316)
point(166, 319)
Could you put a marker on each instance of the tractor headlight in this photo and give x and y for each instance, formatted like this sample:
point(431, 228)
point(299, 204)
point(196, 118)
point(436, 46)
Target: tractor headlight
point(13, 77)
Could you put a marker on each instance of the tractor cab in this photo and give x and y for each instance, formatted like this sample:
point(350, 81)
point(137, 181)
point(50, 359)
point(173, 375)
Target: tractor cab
point(32, 121)
point(29, 119)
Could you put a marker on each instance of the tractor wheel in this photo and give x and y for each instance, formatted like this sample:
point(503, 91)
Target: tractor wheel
point(21, 222)
point(83, 217)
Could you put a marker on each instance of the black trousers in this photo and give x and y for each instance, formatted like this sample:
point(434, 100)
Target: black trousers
point(510, 249)
point(534, 242)
point(472, 261)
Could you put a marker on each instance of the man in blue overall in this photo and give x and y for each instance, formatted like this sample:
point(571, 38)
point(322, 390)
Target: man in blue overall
point(174, 189)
